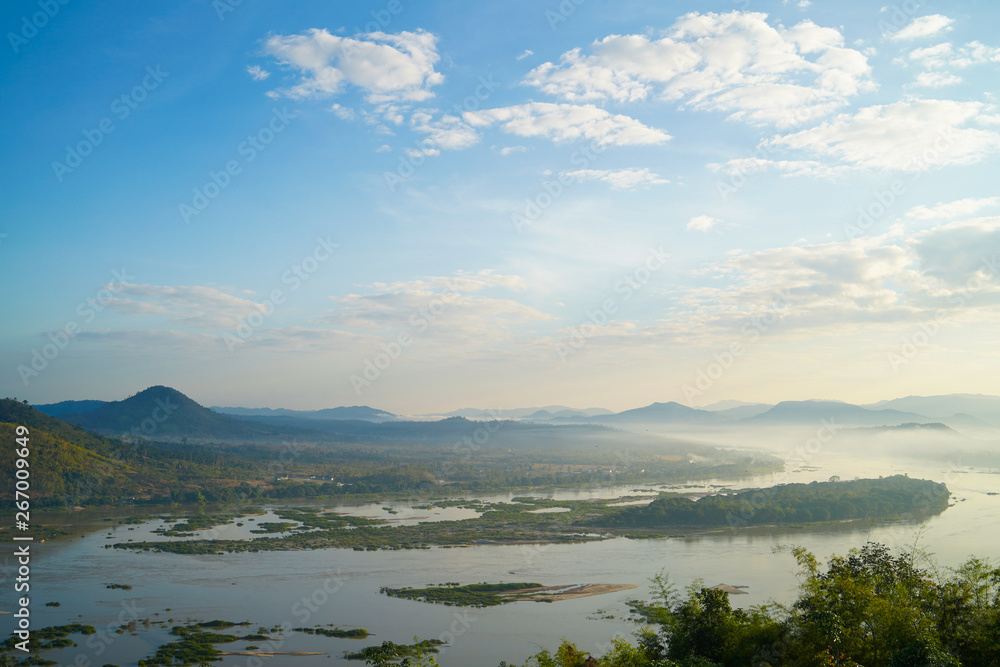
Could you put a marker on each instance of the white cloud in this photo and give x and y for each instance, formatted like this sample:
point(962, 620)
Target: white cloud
point(256, 73)
point(510, 150)
point(421, 152)
point(752, 165)
point(446, 310)
point(945, 55)
point(619, 179)
point(384, 148)
point(922, 26)
point(194, 306)
point(145, 340)
point(952, 210)
point(734, 63)
point(975, 53)
point(957, 253)
point(460, 282)
point(910, 135)
point(935, 80)
point(567, 122)
point(893, 280)
point(447, 132)
point(702, 223)
point(387, 67)
point(933, 57)
point(343, 112)
point(527, 52)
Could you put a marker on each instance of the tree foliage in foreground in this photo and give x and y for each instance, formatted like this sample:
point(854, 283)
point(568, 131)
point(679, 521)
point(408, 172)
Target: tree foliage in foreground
point(870, 608)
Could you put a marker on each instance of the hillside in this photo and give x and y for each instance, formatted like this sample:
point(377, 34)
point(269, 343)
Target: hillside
point(68, 465)
point(65, 473)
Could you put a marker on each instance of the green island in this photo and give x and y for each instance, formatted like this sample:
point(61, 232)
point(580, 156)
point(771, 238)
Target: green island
point(491, 595)
point(55, 636)
point(834, 500)
point(356, 633)
point(470, 595)
point(520, 522)
point(389, 652)
point(194, 647)
point(196, 643)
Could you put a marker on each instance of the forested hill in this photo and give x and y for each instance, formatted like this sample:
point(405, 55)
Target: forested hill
point(164, 413)
point(790, 503)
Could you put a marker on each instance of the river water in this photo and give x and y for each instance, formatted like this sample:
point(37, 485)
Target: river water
point(341, 586)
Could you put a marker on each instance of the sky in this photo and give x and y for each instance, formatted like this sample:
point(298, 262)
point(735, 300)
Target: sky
point(423, 206)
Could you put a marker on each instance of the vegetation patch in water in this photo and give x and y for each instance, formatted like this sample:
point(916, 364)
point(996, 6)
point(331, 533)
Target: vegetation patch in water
point(470, 595)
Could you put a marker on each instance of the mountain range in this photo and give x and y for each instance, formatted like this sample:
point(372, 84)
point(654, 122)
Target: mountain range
point(362, 412)
point(166, 413)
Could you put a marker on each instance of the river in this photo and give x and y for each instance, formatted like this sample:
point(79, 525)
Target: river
point(341, 587)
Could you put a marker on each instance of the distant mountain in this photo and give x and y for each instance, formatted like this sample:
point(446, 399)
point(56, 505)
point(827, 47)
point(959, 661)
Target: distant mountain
point(844, 414)
point(68, 407)
point(164, 413)
point(362, 412)
point(514, 434)
point(662, 413)
point(933, 427)
point(729, 404)
point(980, 406)
point(525, 413)
point(743, 411)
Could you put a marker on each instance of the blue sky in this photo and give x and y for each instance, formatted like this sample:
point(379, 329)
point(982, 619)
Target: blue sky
point(426, 206)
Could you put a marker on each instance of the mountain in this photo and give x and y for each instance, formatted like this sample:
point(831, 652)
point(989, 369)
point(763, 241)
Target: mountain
point(68, 407)
point(362, 412)
point(980, 406)
point(525, 413)
point(164, 413)
point(844, 414)
point(738, 412)
point(719, 406)
point(933, 428)
point(660, 413)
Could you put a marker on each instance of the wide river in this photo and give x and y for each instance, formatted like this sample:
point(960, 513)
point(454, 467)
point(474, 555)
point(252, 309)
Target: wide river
point(341, 586)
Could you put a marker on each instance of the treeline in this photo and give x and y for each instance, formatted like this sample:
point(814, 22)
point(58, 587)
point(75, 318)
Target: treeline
point(790, 503)
point(870, 608)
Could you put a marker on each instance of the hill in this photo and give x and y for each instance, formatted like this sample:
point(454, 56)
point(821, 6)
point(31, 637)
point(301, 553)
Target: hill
point(980, 406)
point(362, 412)
point(662, 413)
point(68, 407)
point(525, 413)
point(845, 414)
point(68, 465)
point(163, 413)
